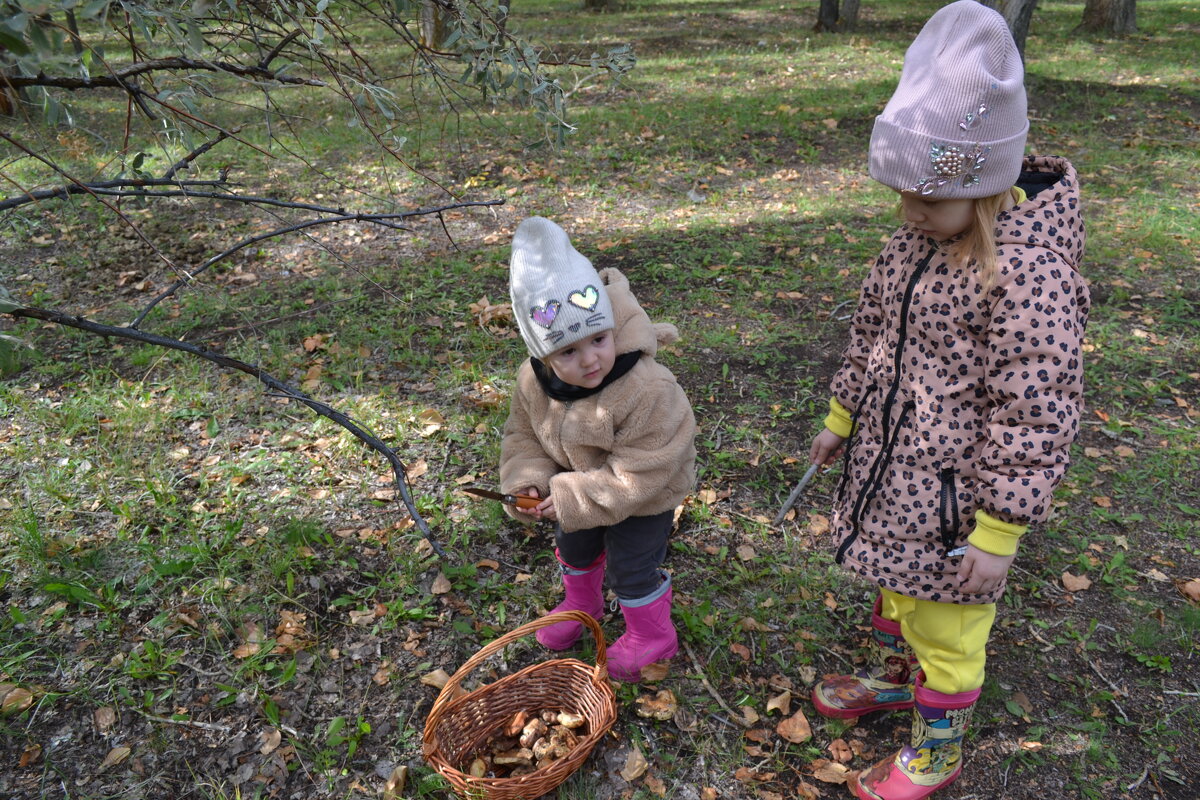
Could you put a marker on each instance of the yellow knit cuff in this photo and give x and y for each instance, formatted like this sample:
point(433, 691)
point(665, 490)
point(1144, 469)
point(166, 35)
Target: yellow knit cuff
point(996, 536)
point(839, 419)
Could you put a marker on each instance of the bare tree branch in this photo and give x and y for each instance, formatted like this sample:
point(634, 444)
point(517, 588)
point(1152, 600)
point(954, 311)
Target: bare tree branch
point(381, 219)
point(282, 389)
point(186, 161)
point(119, 78)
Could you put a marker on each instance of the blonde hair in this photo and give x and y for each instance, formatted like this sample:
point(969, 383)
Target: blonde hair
point(978, 242)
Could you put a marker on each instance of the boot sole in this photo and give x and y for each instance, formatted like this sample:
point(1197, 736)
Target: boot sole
point(852, 713)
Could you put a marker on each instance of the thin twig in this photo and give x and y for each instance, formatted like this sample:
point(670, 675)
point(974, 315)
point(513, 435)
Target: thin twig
point(186, 161)
point(704, 679)
point(1111, 685)
point(1139, 781)
point(190, 723)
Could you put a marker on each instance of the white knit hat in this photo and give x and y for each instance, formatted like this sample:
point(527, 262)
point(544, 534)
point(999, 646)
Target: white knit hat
point(557, 295)
point(956, 125)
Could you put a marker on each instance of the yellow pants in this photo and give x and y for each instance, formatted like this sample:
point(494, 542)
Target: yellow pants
point(949, 640)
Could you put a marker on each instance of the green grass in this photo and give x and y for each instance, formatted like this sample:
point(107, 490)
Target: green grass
point(156, 509)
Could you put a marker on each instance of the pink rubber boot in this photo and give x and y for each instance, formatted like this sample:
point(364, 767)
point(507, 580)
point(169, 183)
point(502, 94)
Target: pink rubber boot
point(885, 683)
point(933, 760)
point(649, 634)
point(584, 592)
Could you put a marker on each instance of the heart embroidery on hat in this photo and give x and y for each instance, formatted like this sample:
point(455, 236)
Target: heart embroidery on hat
point(544, 315)
point(586, 299)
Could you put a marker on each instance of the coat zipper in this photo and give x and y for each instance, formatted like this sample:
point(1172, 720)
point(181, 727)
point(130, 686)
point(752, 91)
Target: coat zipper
point(948, 510)
point(875, 474)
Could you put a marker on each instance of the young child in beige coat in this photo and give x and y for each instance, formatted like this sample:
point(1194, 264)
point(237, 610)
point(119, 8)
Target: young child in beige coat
point(603, 434)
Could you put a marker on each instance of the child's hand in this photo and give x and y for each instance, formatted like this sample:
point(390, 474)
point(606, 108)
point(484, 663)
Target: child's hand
point(545, 510)
point(528, 491)
point(826, 448)
point(981, 572)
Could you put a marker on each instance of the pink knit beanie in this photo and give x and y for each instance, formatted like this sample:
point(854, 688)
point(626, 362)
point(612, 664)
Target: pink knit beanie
point(956, 125)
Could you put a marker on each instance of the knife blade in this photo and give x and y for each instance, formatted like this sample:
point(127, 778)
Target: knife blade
point(522, 501)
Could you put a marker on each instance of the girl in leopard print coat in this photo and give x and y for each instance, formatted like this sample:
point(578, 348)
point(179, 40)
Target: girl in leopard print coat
point(961, 390)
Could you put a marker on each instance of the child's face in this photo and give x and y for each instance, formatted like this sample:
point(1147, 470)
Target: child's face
point(587, 362)
point(938, 219)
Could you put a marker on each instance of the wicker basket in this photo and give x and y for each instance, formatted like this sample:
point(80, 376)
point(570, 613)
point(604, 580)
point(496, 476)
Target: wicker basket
point(458, 727)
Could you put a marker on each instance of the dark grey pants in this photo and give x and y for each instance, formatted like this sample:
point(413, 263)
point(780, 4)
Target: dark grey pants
point(636, 548)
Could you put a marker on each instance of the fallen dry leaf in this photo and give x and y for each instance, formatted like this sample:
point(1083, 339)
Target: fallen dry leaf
point(746, 553)
point(806, 791)
point(30, 755)
point(383, 675)
point(818, 524)
point(829, 771)
point(653, 673)
point(394, 788)
point(270, 738)
point(430, 421)
point(795, 728)
point(1191, 590)
point(1075, 583)
point(115, 756)
point(781, 702)
point(104, 718)
point(441, 584)
point(841, 752)
point(416, 469)
point(361, 616)
point(635, 765)
point(252, 638)
point(437, 679)
point(685, 720)
point(16, 700)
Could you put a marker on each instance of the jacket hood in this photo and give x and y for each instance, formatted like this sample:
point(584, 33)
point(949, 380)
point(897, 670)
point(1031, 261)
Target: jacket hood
point(633, 330)
point(1051, 216)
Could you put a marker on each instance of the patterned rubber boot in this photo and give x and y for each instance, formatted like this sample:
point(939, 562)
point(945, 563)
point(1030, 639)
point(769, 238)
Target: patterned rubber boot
point(886, 682)
point(649, 634)
point(933, 760)
point(584, 592)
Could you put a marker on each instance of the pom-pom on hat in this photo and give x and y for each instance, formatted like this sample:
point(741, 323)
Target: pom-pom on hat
point(557, 295)
point(955, 126)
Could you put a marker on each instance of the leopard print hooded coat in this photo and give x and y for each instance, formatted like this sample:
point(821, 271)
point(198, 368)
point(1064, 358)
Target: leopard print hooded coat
point(964, 396)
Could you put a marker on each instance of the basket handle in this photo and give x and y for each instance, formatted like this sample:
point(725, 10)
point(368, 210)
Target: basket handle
point(450, 690)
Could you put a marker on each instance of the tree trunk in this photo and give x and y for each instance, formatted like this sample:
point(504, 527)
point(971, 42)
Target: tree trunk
point(432, 22)
point(849, 18)
point(1112, 17)
point(835, 17)
point(827, 16)
point(1017, 13)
